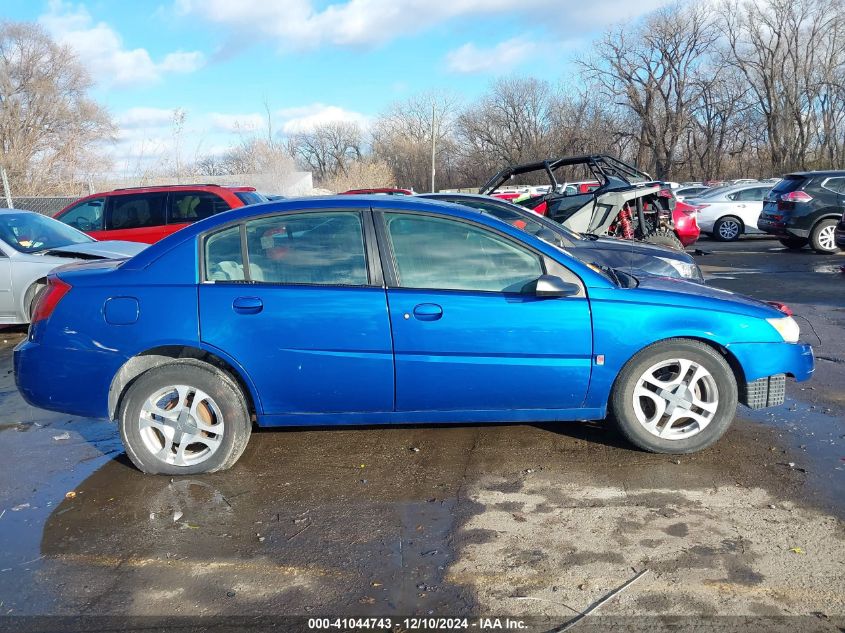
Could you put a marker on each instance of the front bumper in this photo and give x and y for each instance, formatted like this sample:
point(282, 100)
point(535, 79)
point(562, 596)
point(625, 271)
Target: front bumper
point(761, 360)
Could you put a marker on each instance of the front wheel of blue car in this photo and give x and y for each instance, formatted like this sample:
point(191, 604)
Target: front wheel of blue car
point(184, 418)
point(676, 396)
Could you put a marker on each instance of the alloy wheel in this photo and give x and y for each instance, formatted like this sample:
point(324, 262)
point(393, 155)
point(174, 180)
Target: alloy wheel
point(675, 399)
point(181, 425)
point(729, 229)
point(827, 238)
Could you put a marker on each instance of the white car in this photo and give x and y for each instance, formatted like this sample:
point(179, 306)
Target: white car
point(727, 213)
point(31, 245)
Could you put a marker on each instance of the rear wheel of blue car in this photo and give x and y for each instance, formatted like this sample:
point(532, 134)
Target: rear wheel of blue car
point(184, 417)
point(676, 396)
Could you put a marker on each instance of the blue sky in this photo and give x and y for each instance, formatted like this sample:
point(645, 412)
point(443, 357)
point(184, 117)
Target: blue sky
point(310, 60)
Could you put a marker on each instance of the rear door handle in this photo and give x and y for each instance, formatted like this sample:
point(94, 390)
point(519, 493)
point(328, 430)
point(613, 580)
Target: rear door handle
point(428, 312)
point(247, 305)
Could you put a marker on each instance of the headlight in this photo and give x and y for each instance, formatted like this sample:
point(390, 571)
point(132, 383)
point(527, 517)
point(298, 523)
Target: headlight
point(787, 328)
point(686, 270)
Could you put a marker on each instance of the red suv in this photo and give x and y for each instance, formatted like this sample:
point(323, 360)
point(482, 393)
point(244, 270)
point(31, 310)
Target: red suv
point(147, 214)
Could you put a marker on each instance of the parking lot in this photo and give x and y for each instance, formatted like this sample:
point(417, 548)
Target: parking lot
point(531, 520)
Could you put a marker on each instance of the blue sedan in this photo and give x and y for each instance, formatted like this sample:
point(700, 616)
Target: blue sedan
point(383, 310)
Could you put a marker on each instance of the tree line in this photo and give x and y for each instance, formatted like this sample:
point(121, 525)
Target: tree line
point(692, 91)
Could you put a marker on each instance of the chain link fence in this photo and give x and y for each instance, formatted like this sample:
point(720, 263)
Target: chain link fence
point(44, 205)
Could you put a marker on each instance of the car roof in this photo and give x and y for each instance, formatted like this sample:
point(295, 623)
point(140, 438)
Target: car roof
point(810, 174)
point(5, 211)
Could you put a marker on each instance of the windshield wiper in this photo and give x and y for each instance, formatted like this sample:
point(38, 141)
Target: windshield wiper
point(590, 236)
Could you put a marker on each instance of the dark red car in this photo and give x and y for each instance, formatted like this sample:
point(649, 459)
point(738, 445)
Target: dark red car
point(685, 223)
point(147, 214)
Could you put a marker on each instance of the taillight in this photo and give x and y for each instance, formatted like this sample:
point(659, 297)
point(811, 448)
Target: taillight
point(49, 299)
point(796, 196)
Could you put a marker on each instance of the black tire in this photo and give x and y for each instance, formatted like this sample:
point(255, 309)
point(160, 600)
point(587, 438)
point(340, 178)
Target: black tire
point(622, 396)
point(728, 229)
point(31, 298)
point(794, 243)
point(664, 237)
point(226, 396)
point(821, 237)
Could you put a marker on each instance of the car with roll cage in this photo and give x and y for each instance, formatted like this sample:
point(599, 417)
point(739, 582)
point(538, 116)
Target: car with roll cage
point(388, 310)
point(626, 202)
point(629, 255)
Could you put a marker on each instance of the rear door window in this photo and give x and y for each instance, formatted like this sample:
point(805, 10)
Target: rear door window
point(190, 206)
point(250, 197)
point(136, 211)
point(835, 184)
point(308, 248)
point(85, 216)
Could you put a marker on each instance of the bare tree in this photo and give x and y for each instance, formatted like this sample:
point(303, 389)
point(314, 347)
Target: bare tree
point(328, 149)
point(509, 125)
point(402, 138)
point(652, 69)
point(50, 130)
point(790, 53)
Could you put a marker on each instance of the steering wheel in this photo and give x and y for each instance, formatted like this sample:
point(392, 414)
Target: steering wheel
point(84, 225)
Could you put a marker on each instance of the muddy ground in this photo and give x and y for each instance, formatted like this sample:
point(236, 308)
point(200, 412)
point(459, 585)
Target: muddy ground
point(486, 520)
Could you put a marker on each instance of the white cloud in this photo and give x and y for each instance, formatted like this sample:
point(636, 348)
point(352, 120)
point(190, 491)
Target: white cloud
point(299, 24)
point(304, 118)
point(101, 49)
point(505, 55)
point(137, 118)
point(182, 62)
point(236, 122)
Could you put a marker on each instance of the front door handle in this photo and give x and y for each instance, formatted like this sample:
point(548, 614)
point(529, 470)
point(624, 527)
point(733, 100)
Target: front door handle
point(247, 305)
point(428, 312)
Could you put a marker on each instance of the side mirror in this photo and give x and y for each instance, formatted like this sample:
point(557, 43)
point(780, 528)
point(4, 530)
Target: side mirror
point(551, 286)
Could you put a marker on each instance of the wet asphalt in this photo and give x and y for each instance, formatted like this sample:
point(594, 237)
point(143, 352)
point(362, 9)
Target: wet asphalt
point(378, 521)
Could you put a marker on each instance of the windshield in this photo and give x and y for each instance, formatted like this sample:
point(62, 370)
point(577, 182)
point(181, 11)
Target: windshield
point(715, 192)
point(528, 221)
point(250, 197)
point(788, 184)
point(30, 232)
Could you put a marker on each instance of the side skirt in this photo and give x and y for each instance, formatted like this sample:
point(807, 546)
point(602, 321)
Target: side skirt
point(430, 417)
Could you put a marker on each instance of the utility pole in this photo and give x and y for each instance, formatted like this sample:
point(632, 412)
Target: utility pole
point(433, 141)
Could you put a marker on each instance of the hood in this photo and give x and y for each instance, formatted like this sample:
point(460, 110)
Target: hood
point(640, 248)
point(679, 286)
point(111, 249)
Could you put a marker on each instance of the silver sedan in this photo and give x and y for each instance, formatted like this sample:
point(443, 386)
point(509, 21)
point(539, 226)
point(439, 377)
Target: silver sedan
point(31, 245)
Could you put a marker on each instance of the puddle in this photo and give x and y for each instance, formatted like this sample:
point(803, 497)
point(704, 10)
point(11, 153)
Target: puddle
point(829, 268)
point(815, 438)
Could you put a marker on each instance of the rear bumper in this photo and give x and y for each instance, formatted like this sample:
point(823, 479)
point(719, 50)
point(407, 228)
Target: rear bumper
point(780, 228)
point(75, 383)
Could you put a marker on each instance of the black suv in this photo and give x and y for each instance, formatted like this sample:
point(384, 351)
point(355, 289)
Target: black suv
point(803, 208)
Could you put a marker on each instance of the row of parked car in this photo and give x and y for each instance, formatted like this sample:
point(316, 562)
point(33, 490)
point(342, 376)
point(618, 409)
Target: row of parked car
point(584, 217)
point(801, 209)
